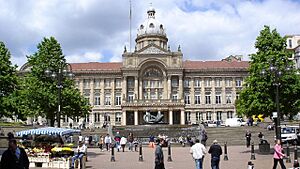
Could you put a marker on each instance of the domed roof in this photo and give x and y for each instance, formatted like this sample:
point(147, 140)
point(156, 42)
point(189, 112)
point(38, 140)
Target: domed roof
point(151, 25)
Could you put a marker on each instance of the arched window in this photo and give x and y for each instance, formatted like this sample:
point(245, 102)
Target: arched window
point(151, 25)
point(142, 27)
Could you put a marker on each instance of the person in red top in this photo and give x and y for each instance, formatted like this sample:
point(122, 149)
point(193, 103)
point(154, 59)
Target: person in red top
point(278, 155)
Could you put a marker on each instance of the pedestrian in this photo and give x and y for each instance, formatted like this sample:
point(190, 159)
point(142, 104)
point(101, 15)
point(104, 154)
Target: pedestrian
point(151, 141)
point(261, 136)
point(117, 140)
point(159, 155)
point(107, 141)
point(123, 142)
point(130, 141)
point(204, 137)
point(216, 151)
point(101, 143)
point(278, 155)
point(14, 157)
point(248, 138)
point(80, 138)
point(198, 151)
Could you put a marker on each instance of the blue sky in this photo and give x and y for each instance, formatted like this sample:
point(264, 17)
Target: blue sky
point(98, 30)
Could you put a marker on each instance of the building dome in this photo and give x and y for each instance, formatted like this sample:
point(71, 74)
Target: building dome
point(151, 26)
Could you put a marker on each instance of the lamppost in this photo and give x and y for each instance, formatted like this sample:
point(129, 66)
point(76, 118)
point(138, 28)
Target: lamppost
point(276, 71)
point(64, 70)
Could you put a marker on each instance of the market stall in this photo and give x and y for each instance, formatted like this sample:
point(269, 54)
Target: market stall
point(45, 147)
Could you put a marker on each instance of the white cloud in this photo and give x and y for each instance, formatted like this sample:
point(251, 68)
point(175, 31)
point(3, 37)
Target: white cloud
point(97, 30)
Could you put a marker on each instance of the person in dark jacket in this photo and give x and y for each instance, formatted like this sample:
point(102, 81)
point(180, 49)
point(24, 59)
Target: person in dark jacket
point(159, 155)
point(216, 151)
point(14, 157)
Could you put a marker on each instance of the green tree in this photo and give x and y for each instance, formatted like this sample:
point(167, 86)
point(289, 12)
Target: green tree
point(39, 93)
point(259, 92)
point(8, 82)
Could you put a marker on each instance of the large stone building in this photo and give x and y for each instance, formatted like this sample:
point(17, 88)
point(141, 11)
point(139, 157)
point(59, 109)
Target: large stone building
point(293, 44)
point(154, 82)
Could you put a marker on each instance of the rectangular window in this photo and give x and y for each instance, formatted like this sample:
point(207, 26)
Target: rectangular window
point(199, 116)
point(229, 114)
point(97, 99)
point(130, 97)
point(107, 100)
point(217, 82)
point(96, 117)
point(77, 84)
point(208, 115)
point(237, 96)
point(174, 82)
point(207, 97)
point(207, 82)
point(228, 98)
point(174, 97)
point(118, 99)
point(107, 82)
point(86, 83)
point(197, 98)
point(197, 82)
point(145, 83)
point(87, 118)
point(218, 97)
point(130, 82)
point(118, 117)
point(290, 43)
point(238, 82)
point(186, 82)
point(187, 99)
point(228, 82)
point(118, 83)
point(97, 83)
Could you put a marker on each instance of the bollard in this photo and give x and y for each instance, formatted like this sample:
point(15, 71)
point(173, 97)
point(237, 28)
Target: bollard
point(169, 153)
point(141, 153)
point(295, 155)
point(112, 159)
point(288, 158)
point(225, 152)
point(250, 165)
point(252, 152)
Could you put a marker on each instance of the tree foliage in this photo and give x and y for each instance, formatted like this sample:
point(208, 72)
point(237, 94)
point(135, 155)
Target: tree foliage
point(8, 82)
point(39, 93)
point(259, 92)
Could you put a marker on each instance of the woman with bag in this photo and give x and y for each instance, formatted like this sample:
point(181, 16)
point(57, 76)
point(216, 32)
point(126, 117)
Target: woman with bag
point(278, 155)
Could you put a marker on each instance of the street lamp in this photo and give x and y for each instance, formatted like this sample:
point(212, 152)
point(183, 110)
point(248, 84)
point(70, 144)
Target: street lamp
point(276, 71)
point(64, 70)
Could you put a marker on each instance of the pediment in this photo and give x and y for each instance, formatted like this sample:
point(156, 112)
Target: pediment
point(152, 49)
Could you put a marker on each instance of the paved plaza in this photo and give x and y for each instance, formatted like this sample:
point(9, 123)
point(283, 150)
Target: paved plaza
point(238, 159)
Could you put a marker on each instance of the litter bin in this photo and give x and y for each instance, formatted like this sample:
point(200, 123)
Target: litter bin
point(264, 147)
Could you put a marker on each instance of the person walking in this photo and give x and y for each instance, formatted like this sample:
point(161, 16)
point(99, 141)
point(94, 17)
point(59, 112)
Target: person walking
point(123, 142)
point(151, 141)
point(216, 151)
point(198, 151)
point(107, 141)
point(159, 155)
point(14, 157)
point(248, 138)
point(117, 141)
point(278, 155)
point(130, 141)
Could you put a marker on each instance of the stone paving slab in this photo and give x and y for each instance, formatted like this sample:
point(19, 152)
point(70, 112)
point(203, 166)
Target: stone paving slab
point(182, 159)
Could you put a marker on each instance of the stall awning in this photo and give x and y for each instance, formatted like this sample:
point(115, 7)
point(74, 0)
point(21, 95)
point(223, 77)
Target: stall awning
point(48, 131)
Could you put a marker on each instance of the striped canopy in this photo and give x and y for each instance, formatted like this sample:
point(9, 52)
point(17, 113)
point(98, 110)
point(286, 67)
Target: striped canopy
point(47, 131)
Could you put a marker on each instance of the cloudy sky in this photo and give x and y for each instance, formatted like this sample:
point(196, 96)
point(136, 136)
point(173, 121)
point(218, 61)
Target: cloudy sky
point(97, 30)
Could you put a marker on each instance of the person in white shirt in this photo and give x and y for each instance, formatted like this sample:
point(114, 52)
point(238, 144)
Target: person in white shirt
point(107, 141)
point(81, 151)
point(123, 142)
point(198, 151)
point(80, 138)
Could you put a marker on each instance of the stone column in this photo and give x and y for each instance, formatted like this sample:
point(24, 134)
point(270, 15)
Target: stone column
point(169, 88)
point(81, 86)
point(170, 117)
point(192, 93)
point(136, 89)
point(180, 86)
point(102, 92)
point(92, 92)
point(136, 117)
point(124, 89)
point(166, 88)
point(113, 92)
point(182, 119)
point(123, 120)
point(140, 89)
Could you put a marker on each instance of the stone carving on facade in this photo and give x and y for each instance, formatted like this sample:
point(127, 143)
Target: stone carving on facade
point(152, 50)
point(151, 119)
